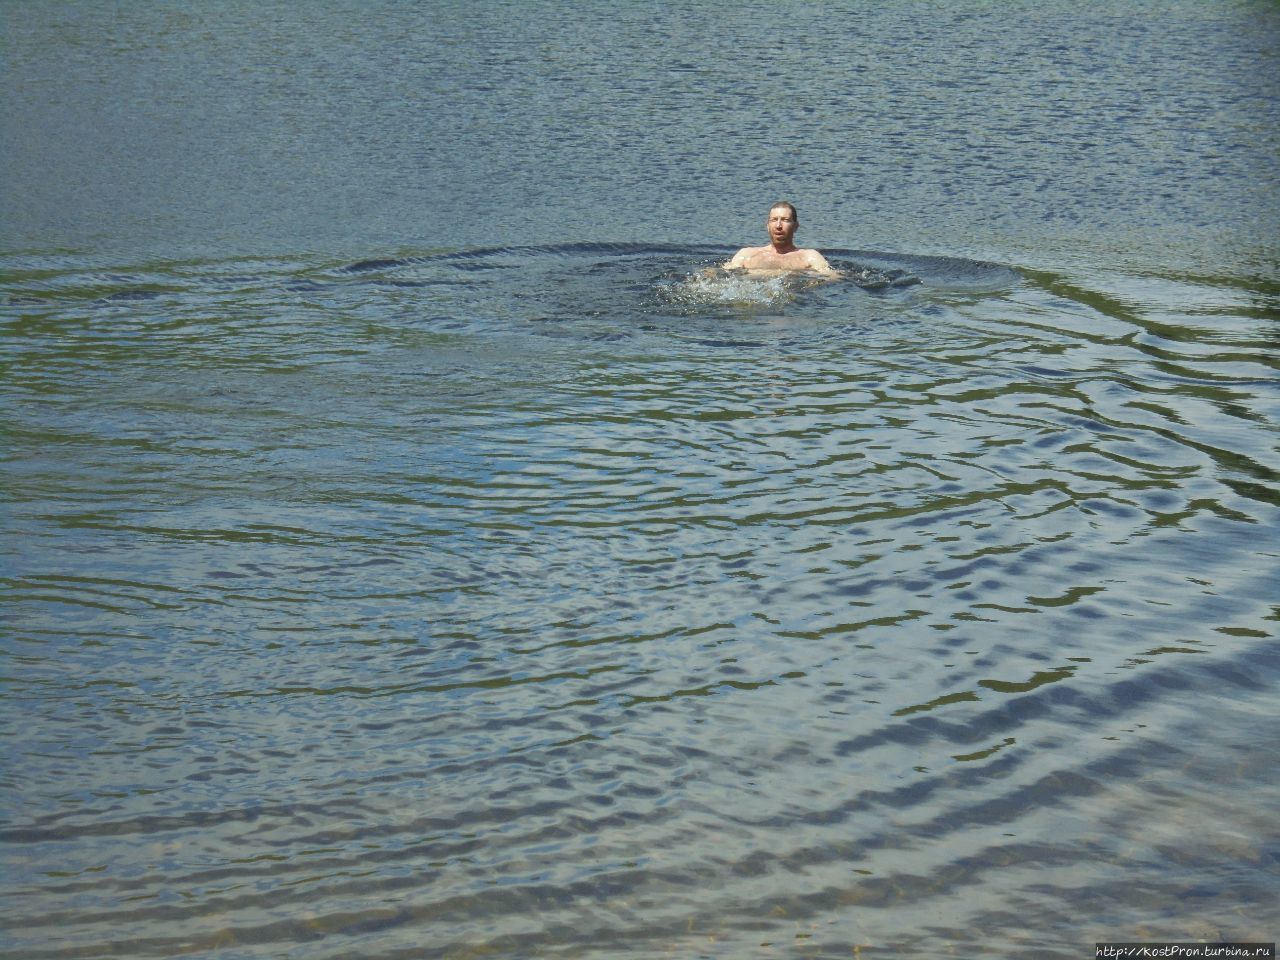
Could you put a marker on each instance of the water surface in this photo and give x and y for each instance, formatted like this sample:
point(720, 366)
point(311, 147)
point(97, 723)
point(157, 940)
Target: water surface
point(412, 552)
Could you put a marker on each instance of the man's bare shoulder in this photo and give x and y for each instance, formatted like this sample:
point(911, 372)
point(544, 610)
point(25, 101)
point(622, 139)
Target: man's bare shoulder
point(816, 261)
point(744, 256)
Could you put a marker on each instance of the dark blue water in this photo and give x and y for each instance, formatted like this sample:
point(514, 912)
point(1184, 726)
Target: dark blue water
point(411, 551)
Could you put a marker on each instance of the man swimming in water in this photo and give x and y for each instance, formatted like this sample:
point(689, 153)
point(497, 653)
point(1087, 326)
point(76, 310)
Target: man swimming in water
point(781, 255)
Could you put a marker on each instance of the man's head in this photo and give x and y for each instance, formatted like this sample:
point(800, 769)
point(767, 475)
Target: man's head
point(789, 207)
point(782, 223)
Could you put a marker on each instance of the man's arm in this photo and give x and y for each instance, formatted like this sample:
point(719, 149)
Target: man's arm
point(818, 263)
point(732, 264)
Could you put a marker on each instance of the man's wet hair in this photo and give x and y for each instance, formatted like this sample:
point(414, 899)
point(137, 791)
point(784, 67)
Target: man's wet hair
point(795, 216)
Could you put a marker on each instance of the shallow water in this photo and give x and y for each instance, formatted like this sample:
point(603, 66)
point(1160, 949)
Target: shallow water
point(489, 593)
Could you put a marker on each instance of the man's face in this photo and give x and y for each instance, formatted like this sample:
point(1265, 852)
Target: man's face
point(781, 225)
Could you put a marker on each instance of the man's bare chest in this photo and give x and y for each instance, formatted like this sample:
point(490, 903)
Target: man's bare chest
point(766, 259)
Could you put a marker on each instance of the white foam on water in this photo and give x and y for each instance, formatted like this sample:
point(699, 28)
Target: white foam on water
point(728, 288)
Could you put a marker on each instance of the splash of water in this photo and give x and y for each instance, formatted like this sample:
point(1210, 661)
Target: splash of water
point(718, 287)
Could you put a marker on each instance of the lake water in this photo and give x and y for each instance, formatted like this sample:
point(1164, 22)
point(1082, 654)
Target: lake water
point(412, 553)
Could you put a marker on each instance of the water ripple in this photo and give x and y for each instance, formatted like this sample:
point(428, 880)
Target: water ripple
point(351, 609)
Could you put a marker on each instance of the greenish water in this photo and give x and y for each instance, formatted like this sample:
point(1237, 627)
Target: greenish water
point(410, 552)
